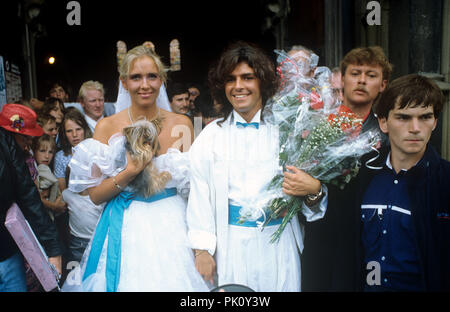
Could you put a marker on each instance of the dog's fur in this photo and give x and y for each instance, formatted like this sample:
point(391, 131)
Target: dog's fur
point(142, 144)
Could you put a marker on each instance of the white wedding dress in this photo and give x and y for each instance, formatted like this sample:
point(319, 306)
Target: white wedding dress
point(155, 252)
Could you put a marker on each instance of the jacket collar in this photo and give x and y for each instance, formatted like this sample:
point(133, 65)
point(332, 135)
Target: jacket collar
point(429, 159)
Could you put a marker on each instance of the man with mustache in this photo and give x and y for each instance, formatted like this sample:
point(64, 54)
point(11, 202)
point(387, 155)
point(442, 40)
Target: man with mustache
point(365, 74)
point(178, 94)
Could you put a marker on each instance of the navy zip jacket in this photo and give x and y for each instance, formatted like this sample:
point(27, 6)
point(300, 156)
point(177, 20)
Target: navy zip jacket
point(333, 255)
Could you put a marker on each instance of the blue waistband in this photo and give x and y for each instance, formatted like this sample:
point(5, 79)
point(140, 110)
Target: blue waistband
point(234, 217)
point(168, 192)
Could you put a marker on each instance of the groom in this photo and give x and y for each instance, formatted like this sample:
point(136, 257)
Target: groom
point(232, 161)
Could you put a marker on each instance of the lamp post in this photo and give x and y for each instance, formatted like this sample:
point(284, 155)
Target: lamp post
point(30, 12)
point(31, 63)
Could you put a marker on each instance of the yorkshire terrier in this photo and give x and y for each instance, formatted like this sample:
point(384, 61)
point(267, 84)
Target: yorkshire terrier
point(142, 144)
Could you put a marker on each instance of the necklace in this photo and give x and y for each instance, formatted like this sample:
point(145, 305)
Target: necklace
point(129, 115)
point(145, 118)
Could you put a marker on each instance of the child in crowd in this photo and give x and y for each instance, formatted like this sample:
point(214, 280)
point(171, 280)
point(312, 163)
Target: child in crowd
point(73, 130)
point(59, 92)
point(48, 124)
point(54, 107)
point(44, 148)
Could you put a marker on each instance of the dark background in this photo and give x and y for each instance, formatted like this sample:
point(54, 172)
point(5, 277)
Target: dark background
point(204, 28)
point(89, 51)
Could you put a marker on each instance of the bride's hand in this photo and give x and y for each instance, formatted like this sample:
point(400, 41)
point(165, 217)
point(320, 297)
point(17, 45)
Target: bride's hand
point(114, 185)
point(133, 167)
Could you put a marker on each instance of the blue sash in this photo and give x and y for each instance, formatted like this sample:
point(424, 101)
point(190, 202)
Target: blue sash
point(234, 216)
point(111, 223)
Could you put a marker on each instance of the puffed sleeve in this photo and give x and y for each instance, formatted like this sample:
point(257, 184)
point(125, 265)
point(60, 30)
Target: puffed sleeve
point(177, 164)
point(93, 161)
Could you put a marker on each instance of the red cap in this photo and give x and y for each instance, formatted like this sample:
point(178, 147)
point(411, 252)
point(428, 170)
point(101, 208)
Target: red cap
point(18, 118)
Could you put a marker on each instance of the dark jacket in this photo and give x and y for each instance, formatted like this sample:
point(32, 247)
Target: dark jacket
point(17, 186)
point(333, 255)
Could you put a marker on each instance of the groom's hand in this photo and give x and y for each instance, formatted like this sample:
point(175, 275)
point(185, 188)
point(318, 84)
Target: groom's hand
point(205, 265)
point(299, 183)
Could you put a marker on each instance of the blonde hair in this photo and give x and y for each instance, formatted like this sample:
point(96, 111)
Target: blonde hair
point(142, 144)
point(89, 85)
point(136, 53)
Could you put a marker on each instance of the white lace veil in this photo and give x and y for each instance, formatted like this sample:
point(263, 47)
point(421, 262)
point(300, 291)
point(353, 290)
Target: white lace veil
point(124, 100)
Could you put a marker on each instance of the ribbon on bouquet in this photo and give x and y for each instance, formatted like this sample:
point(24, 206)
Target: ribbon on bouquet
point(111, 224)
point(373, 159)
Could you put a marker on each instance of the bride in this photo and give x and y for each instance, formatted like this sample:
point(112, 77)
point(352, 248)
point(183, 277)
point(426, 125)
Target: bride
point(139, 244)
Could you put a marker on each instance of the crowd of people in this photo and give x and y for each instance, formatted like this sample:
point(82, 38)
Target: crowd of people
point(74, 172)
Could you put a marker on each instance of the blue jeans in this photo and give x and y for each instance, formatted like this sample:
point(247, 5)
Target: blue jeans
point(77, 246)
point(12, 274)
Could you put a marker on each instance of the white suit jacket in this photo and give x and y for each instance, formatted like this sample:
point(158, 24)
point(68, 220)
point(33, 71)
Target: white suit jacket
point(207, 210)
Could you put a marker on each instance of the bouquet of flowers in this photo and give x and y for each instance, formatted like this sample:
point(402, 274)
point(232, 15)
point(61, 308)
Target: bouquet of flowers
point(316, 135)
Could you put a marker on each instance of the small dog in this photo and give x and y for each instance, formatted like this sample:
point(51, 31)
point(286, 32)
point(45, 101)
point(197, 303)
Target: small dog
point(142, 144)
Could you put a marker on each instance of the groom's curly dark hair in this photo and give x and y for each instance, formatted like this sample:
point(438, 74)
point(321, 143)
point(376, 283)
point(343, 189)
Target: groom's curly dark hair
point(234, 54)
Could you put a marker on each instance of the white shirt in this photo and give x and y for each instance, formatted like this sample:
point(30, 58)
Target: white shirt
point(91, 122)
point(83, 214)
point(255, 163)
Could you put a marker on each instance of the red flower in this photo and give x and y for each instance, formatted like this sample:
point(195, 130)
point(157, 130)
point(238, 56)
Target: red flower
point(316, 100)
point(300, 96)
point(332, 119)
point(305, 133)
point(346, 120)
point(17, 122)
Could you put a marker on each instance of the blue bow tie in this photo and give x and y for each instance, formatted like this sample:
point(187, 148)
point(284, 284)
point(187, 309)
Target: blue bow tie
point(251, 124)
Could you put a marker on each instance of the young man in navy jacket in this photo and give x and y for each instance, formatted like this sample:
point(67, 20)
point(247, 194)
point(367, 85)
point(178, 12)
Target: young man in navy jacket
point(390, 228)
